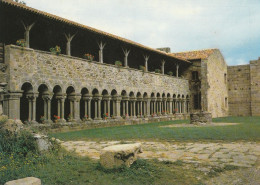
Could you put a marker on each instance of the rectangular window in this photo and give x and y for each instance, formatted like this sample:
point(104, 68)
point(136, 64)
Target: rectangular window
point(197, 101)
point(195, 75)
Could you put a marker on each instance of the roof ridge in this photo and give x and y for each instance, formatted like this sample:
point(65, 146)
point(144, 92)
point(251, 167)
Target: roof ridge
point(196, 50)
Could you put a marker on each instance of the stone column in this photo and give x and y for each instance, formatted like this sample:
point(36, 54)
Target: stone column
point(126, 53)
point(101, 47)
point(163, 62)
point(118, 100)
point(146, 62)
point(123, 102)
point(77, 107)
point(99, 108)
point(184, 107)
point(32, 106)
point(177, 70)
point(62, 100)
point(134, 113)
point(12, 104)
point(27, 34)
point(108, 107)
point(170, 106)
point(138, 108)
point(69, 39)
point(96, 109)
point(141, 108)
point(127, 112)
point(47, 106)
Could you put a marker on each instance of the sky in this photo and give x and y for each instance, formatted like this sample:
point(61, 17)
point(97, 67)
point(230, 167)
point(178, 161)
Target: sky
point(233, 26)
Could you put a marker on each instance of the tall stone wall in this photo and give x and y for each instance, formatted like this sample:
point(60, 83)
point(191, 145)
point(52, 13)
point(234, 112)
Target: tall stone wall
point(239, 92)
point(255, 87)
point(39, 67)
point(216, 89)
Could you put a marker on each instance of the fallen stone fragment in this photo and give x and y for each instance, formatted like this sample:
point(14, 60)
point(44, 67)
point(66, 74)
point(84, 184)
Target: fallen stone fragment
point(25, 181)
point(119, 155)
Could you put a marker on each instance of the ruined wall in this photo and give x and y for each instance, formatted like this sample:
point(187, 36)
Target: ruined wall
point(39, 67)
point(216, 89)
point(239, 90)
point(255, 87)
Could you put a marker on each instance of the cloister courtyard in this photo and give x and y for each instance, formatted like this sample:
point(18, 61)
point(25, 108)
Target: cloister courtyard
point(174, 152)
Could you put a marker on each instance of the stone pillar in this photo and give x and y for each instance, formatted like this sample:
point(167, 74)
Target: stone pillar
point(27, 34)
point(62, 100)
point(126, 53)
point(134, 113)
point(123, 103)
point(127, 112)
point(32, 106)
point(141, 108)
point(99, 107)
point(177, 70)
point(184, 107)
point(101, 47)
point(47, 106)
point(170, 105)
point(146, 62)
point(69, 39)
point(108, 107)
point(96, 109)
point(163, 62)
point(12, 104)
point(138, 110)
point(118, 100)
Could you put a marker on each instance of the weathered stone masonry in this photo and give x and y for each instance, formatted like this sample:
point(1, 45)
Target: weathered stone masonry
point(244, 89)
point(36, 74)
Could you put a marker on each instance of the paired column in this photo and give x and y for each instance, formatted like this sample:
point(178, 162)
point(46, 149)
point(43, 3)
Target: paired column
point(106, 100)
point(87, 106)
point(170, 105)
point(74, 106)
point(47, 106)
point(125, 100)
point(97, 100)
point(60, 107)
point(32, 106)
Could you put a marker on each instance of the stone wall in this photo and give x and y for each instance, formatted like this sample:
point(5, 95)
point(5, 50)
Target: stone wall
point(255, 87)
point(39, 67)
point(216, 88)
point(239, 90)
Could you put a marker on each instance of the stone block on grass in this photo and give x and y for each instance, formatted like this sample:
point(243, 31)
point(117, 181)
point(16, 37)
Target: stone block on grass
point(119, 155)
point(25, 181)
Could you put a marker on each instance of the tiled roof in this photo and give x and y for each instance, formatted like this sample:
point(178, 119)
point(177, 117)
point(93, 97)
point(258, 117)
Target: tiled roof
point(191, 55)
point(51, 16)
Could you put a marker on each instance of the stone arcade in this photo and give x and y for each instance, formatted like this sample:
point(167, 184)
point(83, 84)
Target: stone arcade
point(66, 87)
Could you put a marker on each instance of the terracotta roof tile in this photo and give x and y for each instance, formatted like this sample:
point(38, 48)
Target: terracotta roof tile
point(51, 16)
point(191, 55)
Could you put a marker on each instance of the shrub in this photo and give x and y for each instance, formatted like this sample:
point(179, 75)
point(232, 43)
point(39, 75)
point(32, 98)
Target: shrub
point(88, 56)
point(56, 50)
point(157, 71)
point(170, 73)
point(3, 119)
point(20, 42)
point(21, 143)
point(118, 63)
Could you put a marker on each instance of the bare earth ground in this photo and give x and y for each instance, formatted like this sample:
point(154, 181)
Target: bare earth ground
point(207, 155)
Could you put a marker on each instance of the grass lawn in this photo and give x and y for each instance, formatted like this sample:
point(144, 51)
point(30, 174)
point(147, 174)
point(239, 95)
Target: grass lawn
point(248, 130)
point(70, 169)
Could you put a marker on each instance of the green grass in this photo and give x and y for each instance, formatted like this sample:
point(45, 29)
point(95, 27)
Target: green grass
point(248, 130)
point(67, 168)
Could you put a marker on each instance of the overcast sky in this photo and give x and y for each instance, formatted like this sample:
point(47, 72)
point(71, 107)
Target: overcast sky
point(233, 26)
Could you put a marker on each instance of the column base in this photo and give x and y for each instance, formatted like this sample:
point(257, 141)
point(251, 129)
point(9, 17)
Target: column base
point(97, 119)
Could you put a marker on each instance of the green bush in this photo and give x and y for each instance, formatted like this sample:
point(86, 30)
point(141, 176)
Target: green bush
point(21, 143)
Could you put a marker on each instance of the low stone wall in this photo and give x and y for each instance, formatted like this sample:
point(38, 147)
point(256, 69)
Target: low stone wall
point(70, 126)
point(199, 118)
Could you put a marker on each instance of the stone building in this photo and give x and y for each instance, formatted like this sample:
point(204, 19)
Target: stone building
point(72, 85)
